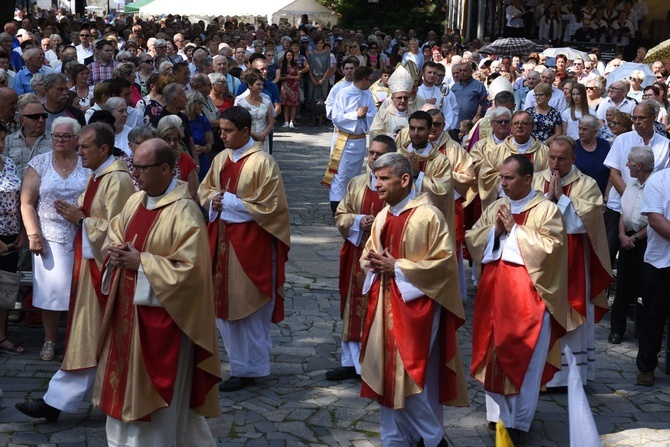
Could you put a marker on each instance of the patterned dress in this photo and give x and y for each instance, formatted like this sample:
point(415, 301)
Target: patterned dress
point(290, 89)
point(545, 123)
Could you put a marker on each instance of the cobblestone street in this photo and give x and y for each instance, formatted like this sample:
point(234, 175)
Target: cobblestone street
point(296, 406)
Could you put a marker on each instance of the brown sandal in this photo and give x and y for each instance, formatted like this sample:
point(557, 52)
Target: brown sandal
point(12, 349)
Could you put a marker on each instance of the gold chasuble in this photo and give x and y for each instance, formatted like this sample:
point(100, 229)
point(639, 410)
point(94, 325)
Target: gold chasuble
point(360, 199)
point(587, 201)
point(397, 337)
point(489, 171)
point(512, 298)
point(103, 199)
point(242, 253)
point(140, 343)
point(438, 183)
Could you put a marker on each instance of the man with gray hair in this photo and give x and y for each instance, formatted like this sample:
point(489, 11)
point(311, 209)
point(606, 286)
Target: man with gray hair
point(616, 97)
point(175, 102)
point(32, 139)
point(410, 373)
point(55, 91)
point(34, 63)
point(221, 66)
point(642, 135)
point(633, 238)
point(532, 79)
point(557, 100)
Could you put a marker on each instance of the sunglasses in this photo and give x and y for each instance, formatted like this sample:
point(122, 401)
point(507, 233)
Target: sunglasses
point(36, 116)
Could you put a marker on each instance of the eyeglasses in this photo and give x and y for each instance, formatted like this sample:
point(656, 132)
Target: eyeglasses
point(65, 137)
point(659, 77)
point(521, 123)
point(616, 123)
point(590, 88)
point(84, 35)
point(438, 123)
point(36, 116)
point(640, 117)
point(500, 122)
point(401, 98)
point(142, 168)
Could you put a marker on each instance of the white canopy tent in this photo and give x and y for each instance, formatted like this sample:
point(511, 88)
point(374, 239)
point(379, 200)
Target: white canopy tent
point(272, 10)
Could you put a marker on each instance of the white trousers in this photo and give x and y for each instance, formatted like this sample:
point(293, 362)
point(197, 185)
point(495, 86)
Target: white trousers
point(247, 342)
point(176, 425)
point(351, 165)
point(422, 417)
point(517, 411)
point(68, 389)
point(351, 353)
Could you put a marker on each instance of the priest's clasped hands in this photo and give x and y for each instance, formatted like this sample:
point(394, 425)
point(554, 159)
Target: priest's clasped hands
point(125, 256)
point(555, 187)
point(505, 221)
point(383, 264)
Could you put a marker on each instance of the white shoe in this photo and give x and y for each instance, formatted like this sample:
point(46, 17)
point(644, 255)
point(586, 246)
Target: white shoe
point(285, 124)
point(291, 125)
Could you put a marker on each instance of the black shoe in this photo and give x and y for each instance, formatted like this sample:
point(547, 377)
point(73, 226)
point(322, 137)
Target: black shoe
point(236, 383)
point(443, 443)
point(615, 338)
point(37, 409)
point(342, 373)
point(491, 425)
point(516, 435)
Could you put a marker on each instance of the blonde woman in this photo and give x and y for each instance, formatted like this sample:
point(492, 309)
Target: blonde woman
point(636, 91)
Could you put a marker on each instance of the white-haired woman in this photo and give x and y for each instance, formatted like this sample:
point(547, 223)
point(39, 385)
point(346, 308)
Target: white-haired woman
point(55, 175)
point(117, 106)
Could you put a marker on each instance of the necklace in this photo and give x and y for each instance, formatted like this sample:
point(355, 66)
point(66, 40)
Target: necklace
point(65, 170)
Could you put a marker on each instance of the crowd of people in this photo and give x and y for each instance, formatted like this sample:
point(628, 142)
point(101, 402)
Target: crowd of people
point(137, 169)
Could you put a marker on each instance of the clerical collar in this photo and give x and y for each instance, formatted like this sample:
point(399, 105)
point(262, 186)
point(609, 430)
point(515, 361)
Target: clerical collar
point(518, 205)
point(497, 141)
point(523, 148)
point(107, 163)
point(373, 180)
point(237, 153)
point(399, 113)
point(400, 206)
point(423, 152)
point(565, 177)
point(153, 201)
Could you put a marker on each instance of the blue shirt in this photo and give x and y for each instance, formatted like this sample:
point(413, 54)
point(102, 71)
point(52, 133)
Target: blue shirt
point(592, 163)
point(469, 97)
point(270, 89)
point(16, 60)
point(23, 78)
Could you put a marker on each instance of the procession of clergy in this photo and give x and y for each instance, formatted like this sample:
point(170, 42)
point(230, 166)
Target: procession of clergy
point(536, 236)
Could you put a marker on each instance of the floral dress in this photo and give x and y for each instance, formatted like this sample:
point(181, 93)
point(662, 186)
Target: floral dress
point(10, 207)
point(290, 89)
point(259, 116)
point(545, 123)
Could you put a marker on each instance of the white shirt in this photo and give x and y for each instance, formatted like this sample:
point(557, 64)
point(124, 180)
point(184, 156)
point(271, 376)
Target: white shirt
point(557, 100)
point(626, 106)
point(233, 209)
point(618, 156)
point(449, 104)
point(83, 53)
point(631, 205)
point(656, 199)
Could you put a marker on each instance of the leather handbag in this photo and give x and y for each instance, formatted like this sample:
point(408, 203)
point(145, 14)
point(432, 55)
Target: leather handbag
point(9, 289)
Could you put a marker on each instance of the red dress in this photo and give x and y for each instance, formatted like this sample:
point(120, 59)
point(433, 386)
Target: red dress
point(290, 89)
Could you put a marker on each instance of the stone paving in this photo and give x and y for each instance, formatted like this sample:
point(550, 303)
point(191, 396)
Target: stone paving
point(296, 406)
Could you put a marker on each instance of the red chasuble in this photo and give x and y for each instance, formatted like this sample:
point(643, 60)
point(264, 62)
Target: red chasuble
point(599, 278)
point(253, 247)
point(96, 276)
point(352, 277)
point(506, 325)
point(159, 335)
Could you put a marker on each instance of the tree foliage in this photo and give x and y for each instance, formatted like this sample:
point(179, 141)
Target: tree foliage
point(420, 15)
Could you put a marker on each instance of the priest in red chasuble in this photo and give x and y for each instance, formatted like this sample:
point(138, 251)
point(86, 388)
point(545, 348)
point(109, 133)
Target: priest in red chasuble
point(159, 360)
point(410, 359)
point(354, 217)
point(578, 197)
point(249, 234)
point(521, 307)
point(106, 193)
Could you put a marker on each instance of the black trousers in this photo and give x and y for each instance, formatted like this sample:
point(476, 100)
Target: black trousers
point(628, 288)
point(612, 229)
point(655, 305)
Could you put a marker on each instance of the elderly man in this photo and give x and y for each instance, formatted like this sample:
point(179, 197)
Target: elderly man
point(499, 120)
point(221, 66)
point(159, 360)
point(34, 59)
point(391, 120)
point(8, 102)
point(106, 193)
point(516, 241)
point(32, 139)
point(102, 69)
point(633, 238)
point(202, 84)
point(520, 142)
point(557, 100)
point(616, 97)
point(175, 102)
point(249, 234)
point(580, 202)
point(353, 113)
point(411, 280)
point(354, 217)
point(532, 79)
point(642, 135)
point(655, 275)
point(55, 91)
point(483, 128)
